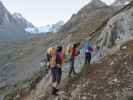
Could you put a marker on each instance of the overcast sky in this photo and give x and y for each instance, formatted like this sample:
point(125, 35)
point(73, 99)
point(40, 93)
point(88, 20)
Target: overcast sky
point(43, 12)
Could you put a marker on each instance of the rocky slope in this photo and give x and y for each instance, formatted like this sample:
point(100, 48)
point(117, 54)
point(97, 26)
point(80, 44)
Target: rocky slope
point(117, 30)
point(20, 61)
point(110, 76)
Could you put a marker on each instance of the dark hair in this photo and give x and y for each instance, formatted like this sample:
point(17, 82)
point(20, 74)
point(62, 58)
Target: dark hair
point(75, 45)
point(59, 48)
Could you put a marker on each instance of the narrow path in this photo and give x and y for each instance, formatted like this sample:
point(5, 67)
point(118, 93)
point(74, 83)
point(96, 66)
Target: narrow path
point(44, 86)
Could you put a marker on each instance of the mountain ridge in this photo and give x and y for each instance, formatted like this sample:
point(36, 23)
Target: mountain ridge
point(11, 27)
point(88, 18)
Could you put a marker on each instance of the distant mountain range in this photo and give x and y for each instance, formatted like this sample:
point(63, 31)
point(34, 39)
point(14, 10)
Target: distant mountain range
point(45, 29)
point(14, 27)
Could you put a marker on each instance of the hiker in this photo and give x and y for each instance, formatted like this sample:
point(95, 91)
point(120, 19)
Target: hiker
point(56, 68)
point(73, 52)
point(48, 57)
point(43, 62)
point(88, 51)
point(80, 53)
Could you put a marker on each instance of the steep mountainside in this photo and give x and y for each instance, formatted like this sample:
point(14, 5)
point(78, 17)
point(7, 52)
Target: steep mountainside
point(118, 29)
point(21, 20)
point(109, 77)
point(56, 27)
point(19, 62)
point(11, 27)
point(88, 18)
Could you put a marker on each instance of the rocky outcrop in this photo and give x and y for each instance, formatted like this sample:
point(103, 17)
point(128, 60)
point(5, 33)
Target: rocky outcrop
point(108, 79)
point(118, 29)
point(121, 2)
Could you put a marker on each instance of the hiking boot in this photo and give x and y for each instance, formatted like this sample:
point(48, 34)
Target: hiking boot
point(54, 91)
point(75, 73)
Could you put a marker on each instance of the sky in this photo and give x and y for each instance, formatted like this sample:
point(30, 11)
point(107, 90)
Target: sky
point(44, 12)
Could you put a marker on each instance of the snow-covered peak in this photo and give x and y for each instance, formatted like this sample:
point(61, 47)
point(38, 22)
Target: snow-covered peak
point(46, 29)
point(18, 16)
point(32, 30)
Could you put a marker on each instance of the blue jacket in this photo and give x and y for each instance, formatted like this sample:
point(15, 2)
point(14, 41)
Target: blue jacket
point(88, 47)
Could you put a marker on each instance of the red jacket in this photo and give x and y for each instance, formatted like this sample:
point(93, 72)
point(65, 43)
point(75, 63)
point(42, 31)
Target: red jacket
point(74, 52)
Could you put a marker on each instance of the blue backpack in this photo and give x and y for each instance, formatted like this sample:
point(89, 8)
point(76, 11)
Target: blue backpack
point(88, 47)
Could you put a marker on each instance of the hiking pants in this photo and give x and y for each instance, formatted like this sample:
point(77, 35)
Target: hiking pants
point(56, 74)
point(87, 58)
point(72, 70)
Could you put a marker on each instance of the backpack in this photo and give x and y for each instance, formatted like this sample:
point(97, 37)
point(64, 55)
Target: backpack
point(88, 47)
point(53, 57)
point(60, 58)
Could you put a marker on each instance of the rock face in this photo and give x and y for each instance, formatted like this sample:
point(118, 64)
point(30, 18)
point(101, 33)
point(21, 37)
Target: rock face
point(94, 4)
point(118, 29)
point(88, 18)
point(56, 27)
point(121, 2)
point(11, 27)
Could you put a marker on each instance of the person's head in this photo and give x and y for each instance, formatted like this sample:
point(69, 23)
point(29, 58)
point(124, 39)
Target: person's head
point(75, 45)
point(59, 49)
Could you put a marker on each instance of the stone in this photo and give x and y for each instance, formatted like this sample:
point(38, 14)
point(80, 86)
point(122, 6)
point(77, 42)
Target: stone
point(84, 98)
point(124, 48)
point(112, 63)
